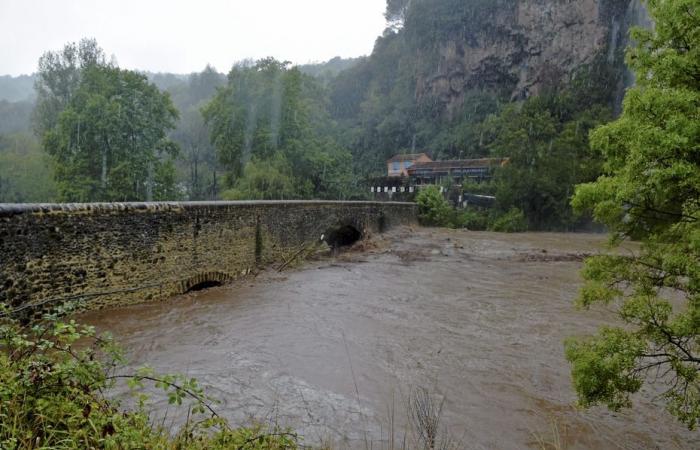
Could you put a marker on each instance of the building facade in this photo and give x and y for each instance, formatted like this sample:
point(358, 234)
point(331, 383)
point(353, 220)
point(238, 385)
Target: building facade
point(457, 171)
point(408, 173)
point(398, 165)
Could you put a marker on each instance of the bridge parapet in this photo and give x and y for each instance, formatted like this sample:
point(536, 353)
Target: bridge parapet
point(123, 253)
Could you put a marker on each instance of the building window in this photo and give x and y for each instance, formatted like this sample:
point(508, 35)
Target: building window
point(407, 164)
point(395, 166)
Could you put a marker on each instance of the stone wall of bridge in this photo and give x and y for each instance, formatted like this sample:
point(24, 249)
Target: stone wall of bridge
point(123, 253)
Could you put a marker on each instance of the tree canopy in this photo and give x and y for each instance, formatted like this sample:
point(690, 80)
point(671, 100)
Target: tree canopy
point(650, 191)
point(270, 121)
point(59, 76)
point(105, 128)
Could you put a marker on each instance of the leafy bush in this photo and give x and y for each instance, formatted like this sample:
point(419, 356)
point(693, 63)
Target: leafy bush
point(433, 209)
point(52, 396)
point(471, 219)
point(511, 222)
point(479, 188)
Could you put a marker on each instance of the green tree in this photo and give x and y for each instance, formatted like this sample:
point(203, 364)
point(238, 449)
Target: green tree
point(58, 78)
point(15, 116)
point(546, 141)
point(270, 179)
point(271, 113)
point(198, 155)
point(109, 140)
point(650, 192)
point(198, 165)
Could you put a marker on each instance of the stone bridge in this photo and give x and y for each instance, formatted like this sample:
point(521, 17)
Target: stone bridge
point(122, 253)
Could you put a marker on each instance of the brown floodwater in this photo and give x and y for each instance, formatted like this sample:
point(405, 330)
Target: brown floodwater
point(331, 348)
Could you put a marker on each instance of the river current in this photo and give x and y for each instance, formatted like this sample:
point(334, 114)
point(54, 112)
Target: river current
point(335, 347)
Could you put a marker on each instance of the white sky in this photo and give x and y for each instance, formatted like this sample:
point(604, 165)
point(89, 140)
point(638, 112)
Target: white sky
point(183, 36)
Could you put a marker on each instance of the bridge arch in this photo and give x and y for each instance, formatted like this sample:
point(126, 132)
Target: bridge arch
point(203, 280)
point(344, 234)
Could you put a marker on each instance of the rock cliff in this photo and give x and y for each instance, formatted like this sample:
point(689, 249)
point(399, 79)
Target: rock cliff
point(524, 46)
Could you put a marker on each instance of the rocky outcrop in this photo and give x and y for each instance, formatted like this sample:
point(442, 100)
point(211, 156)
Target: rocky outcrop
point(531, 45)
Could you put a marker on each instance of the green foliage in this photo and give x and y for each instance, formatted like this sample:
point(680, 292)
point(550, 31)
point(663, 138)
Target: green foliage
point(197, 167)
point(430, 23)
point(58, 78)
point(271, 117)
point(546, 139)
point(433, 209)
point(17, 89)
point(479, 188)
point(325, 72)
point(471, 219)
point(605, 367)
point(15, 116)
point(107, 132)
point(53, 375)
point(265, 180)
point(25, 170)
point(513, 221)
point(650, 191)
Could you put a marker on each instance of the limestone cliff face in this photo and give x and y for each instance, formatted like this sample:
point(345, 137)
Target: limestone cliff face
point(531, 45)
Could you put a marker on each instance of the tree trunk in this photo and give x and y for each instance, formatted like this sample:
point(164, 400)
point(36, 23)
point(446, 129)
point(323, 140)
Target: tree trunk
point(149, 183)
point(103, 178)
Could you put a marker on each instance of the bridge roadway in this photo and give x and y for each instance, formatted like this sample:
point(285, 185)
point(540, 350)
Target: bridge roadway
point(122, 253)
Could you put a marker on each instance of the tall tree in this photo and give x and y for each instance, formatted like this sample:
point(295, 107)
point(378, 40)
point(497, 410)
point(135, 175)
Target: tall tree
point(650, 192)
point(108, 139)
point(546, 141)
point(198, 155)
point(198, 166)
point(271, 114)
point(59, 76)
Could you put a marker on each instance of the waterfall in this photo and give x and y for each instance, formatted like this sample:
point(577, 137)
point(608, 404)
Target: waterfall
point(636, 15)
point(614, 33)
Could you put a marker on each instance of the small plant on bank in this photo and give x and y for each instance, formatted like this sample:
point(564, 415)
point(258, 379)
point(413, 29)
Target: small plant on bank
point(471, 219)
point(53, 377)
point(512, 221)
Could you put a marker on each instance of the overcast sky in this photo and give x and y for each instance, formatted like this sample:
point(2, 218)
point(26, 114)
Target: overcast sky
point(183, 36)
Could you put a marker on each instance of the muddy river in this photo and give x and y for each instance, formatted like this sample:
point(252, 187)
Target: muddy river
point(334, 348)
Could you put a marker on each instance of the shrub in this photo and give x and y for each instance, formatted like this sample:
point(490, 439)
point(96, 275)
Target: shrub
point(471, 219)
point(433, 209)
point(51, 396)
point(512, 221)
